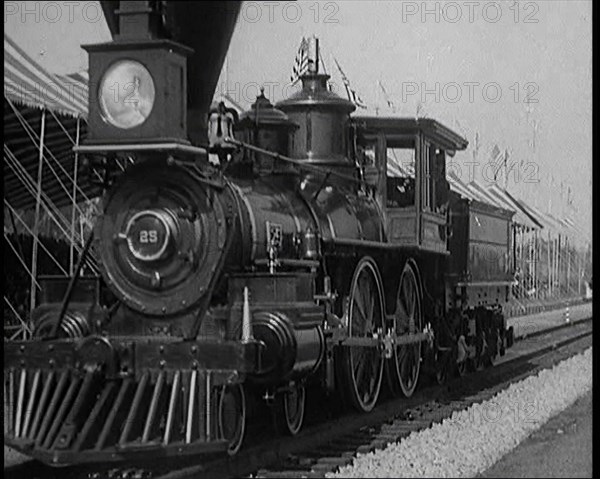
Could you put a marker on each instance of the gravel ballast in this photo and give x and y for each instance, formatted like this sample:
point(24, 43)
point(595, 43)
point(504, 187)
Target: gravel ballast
point(472, 440)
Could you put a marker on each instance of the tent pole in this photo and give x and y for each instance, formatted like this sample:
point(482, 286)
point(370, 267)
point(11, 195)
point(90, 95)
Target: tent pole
point(36, 225)
point(554, 246)
point(579, 274)
point(14, 226)
point(522, 260)
point(535, 268)
point(559, 262)
point(549, 271)
point(530, 266)
point(74, 204)
point(514, 247)
point(553, 264)
point(569, 270)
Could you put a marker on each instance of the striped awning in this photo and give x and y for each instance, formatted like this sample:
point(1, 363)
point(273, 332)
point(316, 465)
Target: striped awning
point(27, 83)
point(31, 92)
point(522, 217)
point(459, 187)
point(486, 196)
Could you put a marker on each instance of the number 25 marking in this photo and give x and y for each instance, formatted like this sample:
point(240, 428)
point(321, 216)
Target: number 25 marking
point(148, 236)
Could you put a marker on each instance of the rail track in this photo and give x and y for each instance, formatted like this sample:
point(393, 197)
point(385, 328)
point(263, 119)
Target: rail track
point(331, 439)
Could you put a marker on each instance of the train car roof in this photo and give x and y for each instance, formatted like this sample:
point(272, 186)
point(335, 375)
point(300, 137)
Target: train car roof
point(439, 133)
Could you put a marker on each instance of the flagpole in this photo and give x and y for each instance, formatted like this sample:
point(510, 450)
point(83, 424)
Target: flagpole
point(377, 98)
point(351, 93)
point(226, 74)
point(317, 56)
point(506, 168)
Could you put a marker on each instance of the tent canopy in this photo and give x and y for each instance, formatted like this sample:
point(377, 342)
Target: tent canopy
point(521, 217)
point(30, 94)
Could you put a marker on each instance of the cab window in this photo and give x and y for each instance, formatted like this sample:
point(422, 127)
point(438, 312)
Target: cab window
point(400, 177)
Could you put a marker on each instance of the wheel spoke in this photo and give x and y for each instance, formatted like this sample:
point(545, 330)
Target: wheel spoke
point(368, 324)
point(403, 350)
point(411, 300)
point(358, 360)
point(359, 372)
point(406, 363)
point(368, 301)
point(401, 316)
point(407, 293)
point(361, 311)
point(413, 305)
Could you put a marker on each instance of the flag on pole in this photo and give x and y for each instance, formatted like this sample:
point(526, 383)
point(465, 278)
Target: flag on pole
point(569, 197)
point(506, 168)
point(352, 95)
point(301, 62)
point(419, 109)
point(389, 102)
point(476, 147)
point(495, 153)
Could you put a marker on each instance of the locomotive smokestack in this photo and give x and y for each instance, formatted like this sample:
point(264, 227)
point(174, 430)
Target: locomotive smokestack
point(137, 20)
point(321, 116)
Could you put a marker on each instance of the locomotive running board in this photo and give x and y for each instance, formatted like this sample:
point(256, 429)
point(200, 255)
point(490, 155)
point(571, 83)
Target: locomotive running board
point(153, 147)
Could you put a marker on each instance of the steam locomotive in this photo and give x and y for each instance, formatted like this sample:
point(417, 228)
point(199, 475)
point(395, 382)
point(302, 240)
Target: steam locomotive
point(301, 258)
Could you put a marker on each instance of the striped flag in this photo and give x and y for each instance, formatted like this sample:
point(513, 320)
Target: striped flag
point(301, 62)
point(352, 95)
point(495, 155)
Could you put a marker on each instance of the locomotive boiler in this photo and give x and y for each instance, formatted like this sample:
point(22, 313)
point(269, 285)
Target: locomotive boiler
point(291, 259)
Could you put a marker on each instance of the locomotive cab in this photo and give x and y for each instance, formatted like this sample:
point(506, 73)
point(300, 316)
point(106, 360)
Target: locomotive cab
point(409, 156)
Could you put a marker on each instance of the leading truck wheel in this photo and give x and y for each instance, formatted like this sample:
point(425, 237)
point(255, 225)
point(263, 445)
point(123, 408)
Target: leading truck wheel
point(405, 365)
point(289, 410)
point(232, 416)
point(361, 367)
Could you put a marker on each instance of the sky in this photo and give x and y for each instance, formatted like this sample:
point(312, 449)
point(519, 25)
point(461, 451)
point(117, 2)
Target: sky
point(471, 65)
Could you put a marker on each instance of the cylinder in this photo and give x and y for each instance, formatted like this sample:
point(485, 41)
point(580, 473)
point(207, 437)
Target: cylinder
point(289, 353)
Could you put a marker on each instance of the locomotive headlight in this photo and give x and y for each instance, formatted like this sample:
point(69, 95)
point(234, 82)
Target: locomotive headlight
point(126, 94)
point(148, 234)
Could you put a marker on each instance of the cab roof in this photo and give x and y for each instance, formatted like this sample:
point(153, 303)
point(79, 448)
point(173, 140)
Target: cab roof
point(399, 128)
